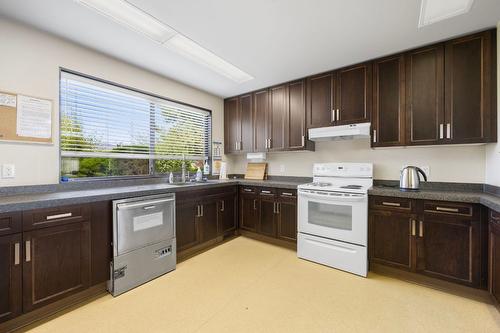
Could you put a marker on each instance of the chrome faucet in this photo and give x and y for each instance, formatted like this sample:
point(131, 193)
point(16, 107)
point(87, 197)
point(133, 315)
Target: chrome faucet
point(183, 169)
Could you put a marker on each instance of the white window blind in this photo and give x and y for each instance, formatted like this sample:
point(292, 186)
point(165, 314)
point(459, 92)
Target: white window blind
point(102, 120)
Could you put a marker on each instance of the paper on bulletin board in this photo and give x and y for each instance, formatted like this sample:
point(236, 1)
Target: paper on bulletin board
point(34, 117)
point(8, 100)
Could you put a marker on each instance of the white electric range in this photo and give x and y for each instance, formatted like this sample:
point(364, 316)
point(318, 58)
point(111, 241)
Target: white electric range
point(333, 216)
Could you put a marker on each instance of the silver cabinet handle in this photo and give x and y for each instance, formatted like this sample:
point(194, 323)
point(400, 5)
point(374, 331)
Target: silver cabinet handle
point(198, 211)
point(278, 207)
point(391, 204)
point(254, 204)
point(201, 210)
point(287, 194)
point(59, 216)
point(28, 250)
point(333, 115)
point(303, 141)
point(338, 114)
point(270, 143)
point(413, 227)
point(265, 192)
point(445, 209)
point(421, 229)
point(247, 189)
point(441, 131)
point(17, 253)
point(149, 207)
point(448, 131)
point(374, 136)
point(274, 207)
point(222, 205)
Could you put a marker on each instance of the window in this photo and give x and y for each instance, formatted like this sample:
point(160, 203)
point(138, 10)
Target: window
point(107, 130)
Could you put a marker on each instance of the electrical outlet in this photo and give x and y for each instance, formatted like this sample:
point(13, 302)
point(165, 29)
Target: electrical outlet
point(8, 171)
point(282, 168)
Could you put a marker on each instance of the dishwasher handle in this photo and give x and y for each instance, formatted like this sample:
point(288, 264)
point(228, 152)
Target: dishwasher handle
point(147, 204)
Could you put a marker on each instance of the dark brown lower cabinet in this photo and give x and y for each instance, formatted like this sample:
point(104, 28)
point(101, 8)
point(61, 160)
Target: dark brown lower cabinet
point(226, 216)
point(267, 218)
point(390, 239)
point(10, 277)
point(287, 219)
point(494, 256)
point(434, 238)
point(448, 248)
point(208, 212)
point(186, 224)
point(56, 263)
point(249, 211)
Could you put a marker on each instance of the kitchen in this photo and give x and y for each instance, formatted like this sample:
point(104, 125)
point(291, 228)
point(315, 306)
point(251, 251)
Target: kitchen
point(338, 135)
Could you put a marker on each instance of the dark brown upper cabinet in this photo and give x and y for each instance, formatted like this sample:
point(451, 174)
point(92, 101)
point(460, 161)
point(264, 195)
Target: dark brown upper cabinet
point(388, 117)
point(295, 135)
point(277, 118)
point(232, 125)
point(469, 107)
point(320, 100)
point(424, 95)
point(261, 114)
point(354, 94)
point(238, 124)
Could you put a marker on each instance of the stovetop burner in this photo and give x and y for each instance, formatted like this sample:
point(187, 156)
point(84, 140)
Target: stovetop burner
point(352, 187)
point(321, 184)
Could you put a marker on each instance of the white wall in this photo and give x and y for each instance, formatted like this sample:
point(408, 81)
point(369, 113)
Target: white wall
point(447, 164)
point(29, 64)
point(493, 150)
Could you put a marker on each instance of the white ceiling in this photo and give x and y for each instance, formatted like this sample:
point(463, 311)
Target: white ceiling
point(272, 40)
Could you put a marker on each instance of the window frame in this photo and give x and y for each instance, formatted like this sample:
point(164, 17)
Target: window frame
point(151, 161)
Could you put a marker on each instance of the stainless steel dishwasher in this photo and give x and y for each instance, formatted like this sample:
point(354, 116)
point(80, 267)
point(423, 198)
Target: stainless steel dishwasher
point(144, 245)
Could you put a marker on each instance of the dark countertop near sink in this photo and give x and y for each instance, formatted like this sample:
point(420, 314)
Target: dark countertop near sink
point(55, 195)
point(474, 196)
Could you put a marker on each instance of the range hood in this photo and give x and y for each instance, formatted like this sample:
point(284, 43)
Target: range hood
point(343, 132)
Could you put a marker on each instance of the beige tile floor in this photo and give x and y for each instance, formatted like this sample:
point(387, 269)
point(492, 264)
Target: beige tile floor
point(249, 286)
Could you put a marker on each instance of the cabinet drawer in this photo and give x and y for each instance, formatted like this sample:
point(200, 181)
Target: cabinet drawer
point(10, 223)
point(267, 191)
point(450, 208)
point(494, 216)
point(47, 217)
point(392, 203)
point(248, 189)
point(284, 193)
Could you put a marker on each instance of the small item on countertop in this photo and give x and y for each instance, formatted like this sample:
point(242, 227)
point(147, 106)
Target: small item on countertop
point(171, 178)
point(206, 168)
point(223, 170)
point(256, 171)
point(199, 175)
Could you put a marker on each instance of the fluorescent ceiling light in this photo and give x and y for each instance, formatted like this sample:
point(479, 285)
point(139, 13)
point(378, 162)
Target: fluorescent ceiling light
point(127, 14)
point(199, 54)
point(432, 11)
point(136, 19)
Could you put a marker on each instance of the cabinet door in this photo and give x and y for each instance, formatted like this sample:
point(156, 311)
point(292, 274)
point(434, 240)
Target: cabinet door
point(246, 116)
point(354, 94)
point(448, 248)
point(249, 212)
point(468, 89)
point(208, 220)
point(232, 125)
point(390, 238)
point(267, 220)
point(494, 257)
point(11, 276)
point(186, 224)
point(287, 219)
point(296, 122)
point(227, 214)
point(56, 263)
point(261, 120)
point(320, 100)
point(388, 121)
point(277, 117)
point(424, 96)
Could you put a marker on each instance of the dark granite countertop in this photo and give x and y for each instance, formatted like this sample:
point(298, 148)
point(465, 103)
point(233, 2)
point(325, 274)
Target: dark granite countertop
point(56, 195)
point(489, 200)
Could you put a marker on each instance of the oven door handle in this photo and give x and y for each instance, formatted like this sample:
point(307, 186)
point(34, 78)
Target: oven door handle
point(332, 197)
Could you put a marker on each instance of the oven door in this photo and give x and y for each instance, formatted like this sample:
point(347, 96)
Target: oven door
point(334, 215)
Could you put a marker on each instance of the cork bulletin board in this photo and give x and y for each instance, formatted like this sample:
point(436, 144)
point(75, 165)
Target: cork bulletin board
point(25, 118)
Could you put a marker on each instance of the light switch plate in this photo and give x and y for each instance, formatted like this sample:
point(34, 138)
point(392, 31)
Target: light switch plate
point(8, 171)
